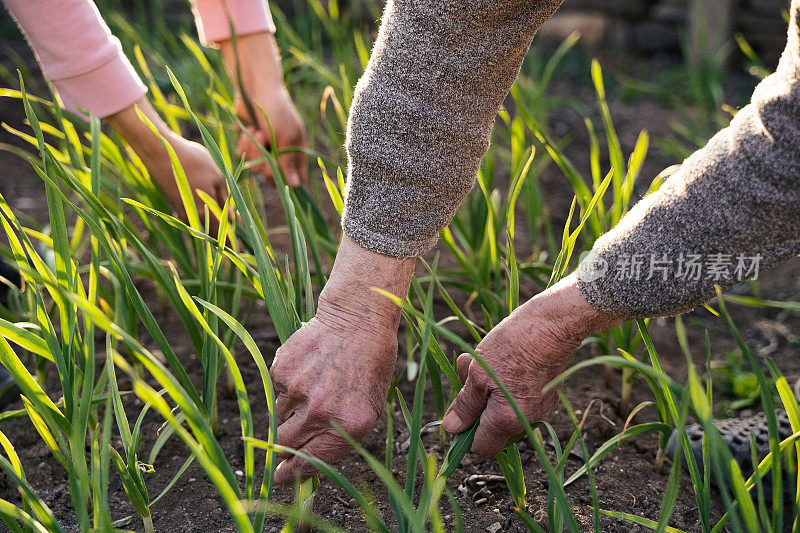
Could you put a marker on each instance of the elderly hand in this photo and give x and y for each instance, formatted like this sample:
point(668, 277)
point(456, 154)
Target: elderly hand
point(201, 171)
point(527, 350)
point(338, 366)
point(257, 70)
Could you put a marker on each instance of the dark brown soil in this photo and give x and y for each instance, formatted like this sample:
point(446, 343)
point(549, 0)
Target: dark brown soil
point(626, 480)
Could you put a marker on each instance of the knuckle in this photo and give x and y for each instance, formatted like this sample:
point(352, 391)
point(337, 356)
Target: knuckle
point(544, 407)
point(488, 442)
point(318, 408)
point(288, 383)
point(476, 373)
point(495, 424)
point(283, 407)
point(282, 438)
point(502, 419)
point(463, 402)
point(306, 470)
point(284, 357)
point(296, 390)
point(356, 426)
point(327, 446)
point(489, 447)
point(468, 400)
point(277, 372)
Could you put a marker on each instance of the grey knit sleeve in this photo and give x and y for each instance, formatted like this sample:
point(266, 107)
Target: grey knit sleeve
point(423, 111)
point(732, 209)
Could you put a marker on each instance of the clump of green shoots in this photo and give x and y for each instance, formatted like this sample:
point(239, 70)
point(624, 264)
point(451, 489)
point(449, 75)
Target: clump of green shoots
point(214, 270)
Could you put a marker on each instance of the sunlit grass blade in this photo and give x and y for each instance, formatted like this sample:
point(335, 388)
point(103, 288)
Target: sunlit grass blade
point(326, 470)
point(245, 413)
point(767, 403)
point(646, 522)
point(44, 516)
point(205, 450)
point(793, 412)
point(269, 467)
point(283, 316)
point(612, 443)
point(123, 274)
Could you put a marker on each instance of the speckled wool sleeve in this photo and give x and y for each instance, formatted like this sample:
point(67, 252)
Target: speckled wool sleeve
point(422, 114)
point(734, 203)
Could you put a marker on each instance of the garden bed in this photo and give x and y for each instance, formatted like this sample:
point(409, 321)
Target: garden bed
point(626, 480)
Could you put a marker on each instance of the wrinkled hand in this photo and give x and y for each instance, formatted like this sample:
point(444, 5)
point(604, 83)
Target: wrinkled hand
point(339, 365)
point(526, 351)
point(330, 370)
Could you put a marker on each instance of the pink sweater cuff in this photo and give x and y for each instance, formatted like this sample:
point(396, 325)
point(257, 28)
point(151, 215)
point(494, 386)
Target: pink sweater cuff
point(247, 17)
point(102, 91)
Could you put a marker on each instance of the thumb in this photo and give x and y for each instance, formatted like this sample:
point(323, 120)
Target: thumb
point(467, 407)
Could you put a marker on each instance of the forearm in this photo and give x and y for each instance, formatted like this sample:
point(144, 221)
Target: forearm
point(733, 208)
point(215, 18)
point(78, 54)
point(349, 299)
point(138, 134)
point(254, 64)
point(264, 105)
point(422, 114)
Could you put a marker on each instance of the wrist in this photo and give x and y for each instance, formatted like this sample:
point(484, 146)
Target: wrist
point(128, 124)
point(565, 305)
point(350, 295)
point(254, 64)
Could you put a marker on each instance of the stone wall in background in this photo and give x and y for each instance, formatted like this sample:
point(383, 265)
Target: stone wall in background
point(653, 26)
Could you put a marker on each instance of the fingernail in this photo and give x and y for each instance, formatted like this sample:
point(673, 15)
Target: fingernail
point(452, 422)
point(278, 477)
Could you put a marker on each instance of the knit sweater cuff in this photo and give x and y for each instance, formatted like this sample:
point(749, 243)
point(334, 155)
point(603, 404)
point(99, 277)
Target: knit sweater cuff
point(601, 300)
point(103, 90)
point(380, 243)
point(246, 16)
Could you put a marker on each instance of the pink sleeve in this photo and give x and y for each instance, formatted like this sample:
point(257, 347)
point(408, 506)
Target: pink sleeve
point(79, 55)
point(247, 16)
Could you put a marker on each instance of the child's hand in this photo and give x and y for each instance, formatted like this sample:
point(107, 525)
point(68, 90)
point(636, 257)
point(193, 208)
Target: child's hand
point(288, 130)
point(258, 71)
point(201, 171)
